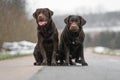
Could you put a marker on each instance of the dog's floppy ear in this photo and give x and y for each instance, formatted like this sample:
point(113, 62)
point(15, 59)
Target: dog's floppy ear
point(83, 21)
point(50, 12)
point(66, 20)
point(35, 14)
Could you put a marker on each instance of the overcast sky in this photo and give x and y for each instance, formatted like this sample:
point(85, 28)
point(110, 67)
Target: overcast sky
point(74, 6)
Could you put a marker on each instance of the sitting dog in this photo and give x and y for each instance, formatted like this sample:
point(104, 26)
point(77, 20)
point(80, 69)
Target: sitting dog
point(71, 41)
point(47, 44)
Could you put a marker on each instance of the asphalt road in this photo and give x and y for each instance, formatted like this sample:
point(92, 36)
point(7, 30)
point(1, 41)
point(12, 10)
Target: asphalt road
point(101, 67)
point(18, 69)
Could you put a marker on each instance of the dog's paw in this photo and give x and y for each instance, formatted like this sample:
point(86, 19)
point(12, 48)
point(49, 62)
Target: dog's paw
point(36, 63)
point(84, 64)
point(73, 64)
point(44, 63)
point(53, 64)
point(79, 61)
point(66, 64)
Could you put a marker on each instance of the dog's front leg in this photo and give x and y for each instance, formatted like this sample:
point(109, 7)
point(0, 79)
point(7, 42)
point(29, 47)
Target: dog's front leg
point(43, 53)
point(55, 48)
point(82, 61)
point(37, 56)
point(67, 52)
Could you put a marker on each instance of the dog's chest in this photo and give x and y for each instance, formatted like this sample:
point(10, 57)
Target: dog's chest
point(45, 33)
point(74, 41)
point(48, 45)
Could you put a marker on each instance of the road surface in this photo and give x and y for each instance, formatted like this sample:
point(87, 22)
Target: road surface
point(101, 67)
point(18, 69)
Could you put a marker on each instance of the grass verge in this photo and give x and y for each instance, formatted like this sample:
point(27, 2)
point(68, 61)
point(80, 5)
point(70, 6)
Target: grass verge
point(8, 56)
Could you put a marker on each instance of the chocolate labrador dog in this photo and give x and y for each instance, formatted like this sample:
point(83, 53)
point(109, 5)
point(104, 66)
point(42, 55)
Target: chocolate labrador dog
point(47, 44)
point(71, 41)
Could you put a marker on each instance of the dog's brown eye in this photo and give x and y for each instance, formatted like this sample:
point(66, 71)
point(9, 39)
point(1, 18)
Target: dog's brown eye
point(78, 21)
point(70, 21)
point(38, 10)
point(46, 13)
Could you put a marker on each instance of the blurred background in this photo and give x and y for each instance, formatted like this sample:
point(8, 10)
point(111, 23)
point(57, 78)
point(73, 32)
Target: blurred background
point(102, 29)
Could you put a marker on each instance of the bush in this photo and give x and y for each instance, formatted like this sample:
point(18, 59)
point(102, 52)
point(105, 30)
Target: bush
point(14, 25)
point(105, 39)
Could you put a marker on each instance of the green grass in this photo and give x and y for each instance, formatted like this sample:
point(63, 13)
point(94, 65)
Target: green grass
point(8, 56)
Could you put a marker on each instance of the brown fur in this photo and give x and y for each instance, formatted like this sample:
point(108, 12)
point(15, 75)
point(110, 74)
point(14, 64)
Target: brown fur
point(47, 45)
point(71, 41)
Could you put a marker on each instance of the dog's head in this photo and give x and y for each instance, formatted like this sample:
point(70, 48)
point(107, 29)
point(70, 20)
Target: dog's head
point(42, 16)
point(74, 22)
